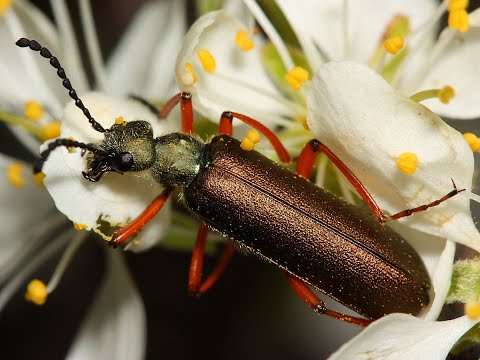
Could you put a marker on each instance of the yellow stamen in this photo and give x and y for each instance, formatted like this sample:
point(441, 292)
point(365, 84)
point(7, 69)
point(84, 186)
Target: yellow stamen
point(50, 131)
point(120, 121)
point(189, 68)
point(253, 135)
point(71, 149)
point(39, 177)
point(472, 310)
point(243, 41)
point(296, 77)
point(33, 110)
point(79, 227)
point(36, 292)
point(207, 60)
point(303, 120)
point(473, 141)
point(407, 163)
point(458, 19)
point(4, 6)
point(446, 94)
point(15, 174)
point(247, 144)
point(394, 44)
point(455, 5)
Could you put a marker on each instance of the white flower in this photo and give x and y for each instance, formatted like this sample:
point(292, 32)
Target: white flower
point(362, 118)
point(32, 91)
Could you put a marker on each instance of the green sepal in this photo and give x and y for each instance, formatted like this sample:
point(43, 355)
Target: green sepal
point(465, 285)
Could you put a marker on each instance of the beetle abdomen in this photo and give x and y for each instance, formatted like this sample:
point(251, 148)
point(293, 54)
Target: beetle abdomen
point(332, 245)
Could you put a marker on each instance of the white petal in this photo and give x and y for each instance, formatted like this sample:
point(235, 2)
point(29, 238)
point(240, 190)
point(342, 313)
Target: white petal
point(404, 337)
point(323, 23)
point(115, 325)
point(19, 216)
point(457, 67)
point(437, 255)
point(368, 125)
point(146, 67)
point(239, 82)
point(115, 198)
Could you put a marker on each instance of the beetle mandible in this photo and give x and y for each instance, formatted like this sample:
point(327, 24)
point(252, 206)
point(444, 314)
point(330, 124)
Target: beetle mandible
point(316, 238)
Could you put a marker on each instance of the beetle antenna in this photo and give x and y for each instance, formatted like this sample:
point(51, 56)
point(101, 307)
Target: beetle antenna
point(37, 167)
point(35, 46)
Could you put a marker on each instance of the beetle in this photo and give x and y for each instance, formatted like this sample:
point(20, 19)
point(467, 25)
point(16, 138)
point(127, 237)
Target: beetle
point(314, 237)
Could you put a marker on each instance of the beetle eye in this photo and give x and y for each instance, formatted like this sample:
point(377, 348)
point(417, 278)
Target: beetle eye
point(124, 161)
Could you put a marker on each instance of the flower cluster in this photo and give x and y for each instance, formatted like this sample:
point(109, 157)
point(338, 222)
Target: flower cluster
point(370, 79)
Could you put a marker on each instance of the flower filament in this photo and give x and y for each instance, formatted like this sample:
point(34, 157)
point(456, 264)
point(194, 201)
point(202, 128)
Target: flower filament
point(444, 94)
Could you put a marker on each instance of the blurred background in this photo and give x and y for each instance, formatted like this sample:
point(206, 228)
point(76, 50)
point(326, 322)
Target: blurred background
point(250, 314)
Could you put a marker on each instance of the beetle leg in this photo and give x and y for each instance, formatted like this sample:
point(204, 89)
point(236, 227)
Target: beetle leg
point(409, 212)
point(305, 165)
point(226, 128)
point(195, 284)
point(186, 109)
point(313, 301)
point(122, 235)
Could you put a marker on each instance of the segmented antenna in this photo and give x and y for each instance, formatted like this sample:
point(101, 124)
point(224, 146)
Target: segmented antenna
point(37, 167)
point(35, 46)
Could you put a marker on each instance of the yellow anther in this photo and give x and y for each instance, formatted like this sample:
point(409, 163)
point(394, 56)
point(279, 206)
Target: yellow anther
point(189, 68)
point(120, 121)
point(458, 19)
point(39, 177)
point(4, 6)
point(407, 163)
point(71, 149)
point(394, 44)
point(207, 60)
point(472, 310)
point(50, 131)
point(455, 5)
point(36, 292)
point(33, 110)
point(243, 41)
point(247, 144)
point(79, 227)
point(15, 174)
point(253, 135)
point(473, 141)
point(296, 77)
point(446, 94)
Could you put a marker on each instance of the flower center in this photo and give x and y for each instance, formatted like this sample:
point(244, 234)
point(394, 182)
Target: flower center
point(407, 163)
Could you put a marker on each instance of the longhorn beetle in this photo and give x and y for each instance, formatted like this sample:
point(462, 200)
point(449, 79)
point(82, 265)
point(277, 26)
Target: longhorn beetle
point(316, 238)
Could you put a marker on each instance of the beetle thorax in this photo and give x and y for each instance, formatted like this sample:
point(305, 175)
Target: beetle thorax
point(179, 158)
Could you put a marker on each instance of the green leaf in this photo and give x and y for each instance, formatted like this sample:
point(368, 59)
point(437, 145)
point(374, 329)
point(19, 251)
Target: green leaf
point(279, 22)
